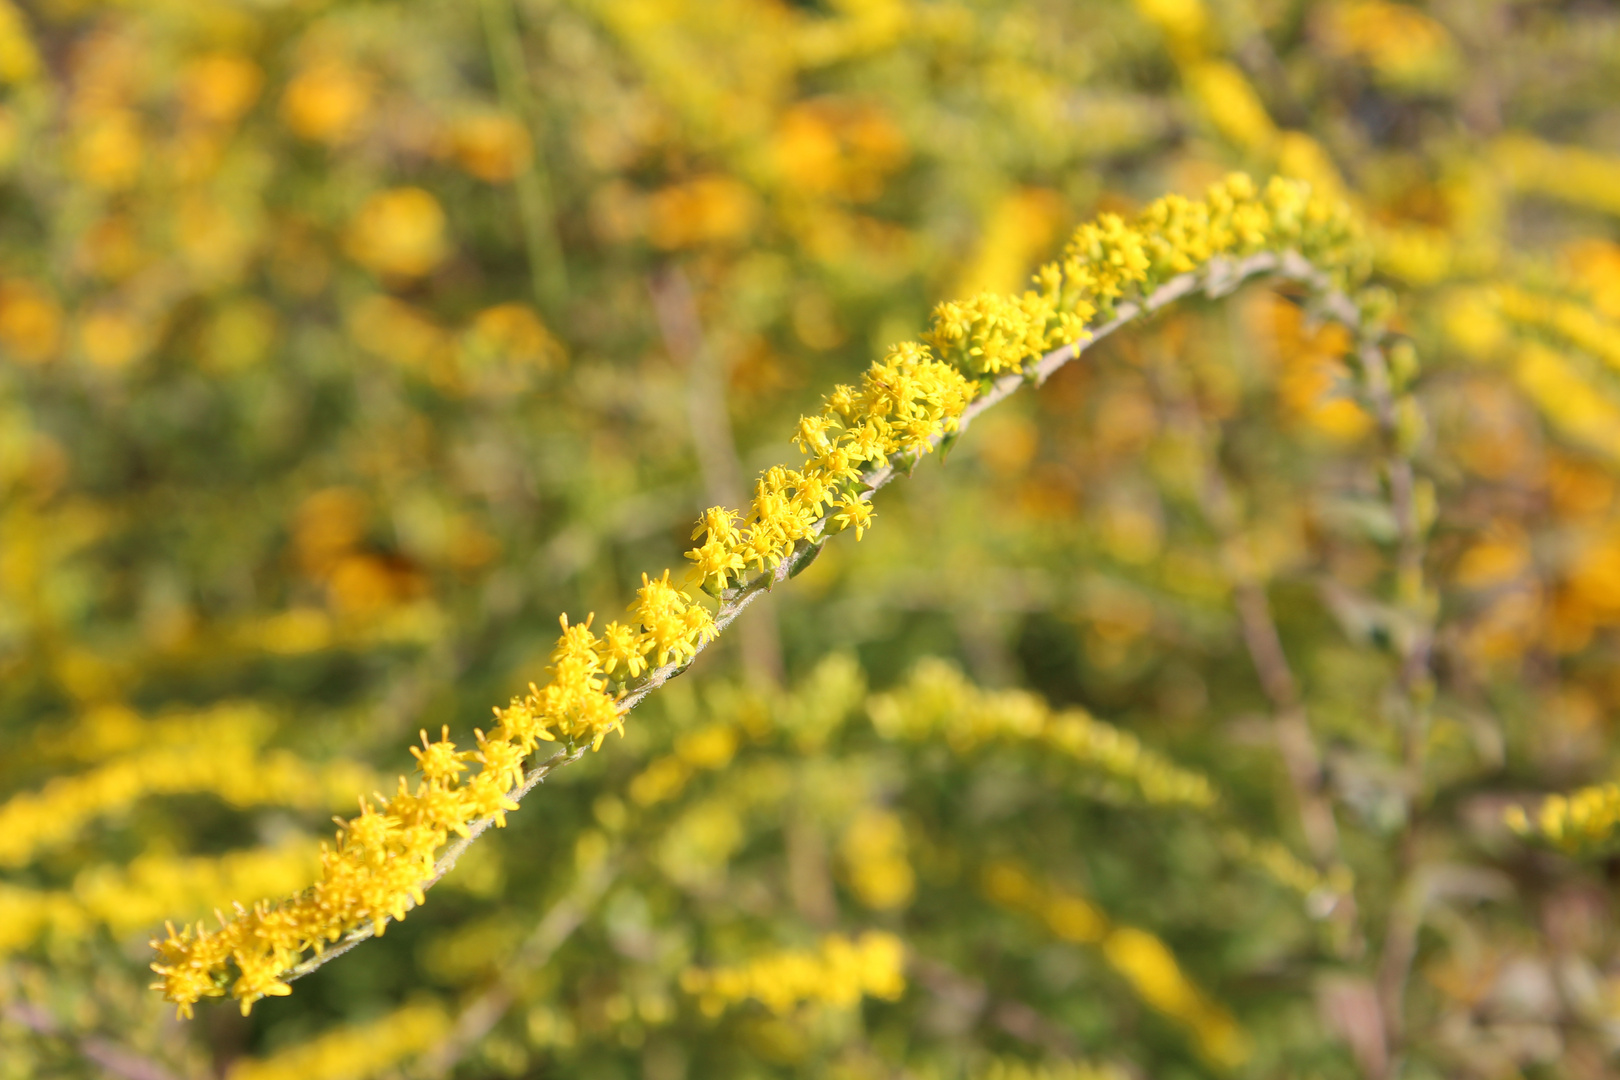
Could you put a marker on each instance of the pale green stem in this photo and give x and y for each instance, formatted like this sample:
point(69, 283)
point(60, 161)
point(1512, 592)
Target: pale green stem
point(1218, 278)
point(547, 270)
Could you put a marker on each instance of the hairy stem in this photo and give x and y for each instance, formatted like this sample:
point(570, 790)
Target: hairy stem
point(1217, 278)
point(1414, 641)
point(443, 865)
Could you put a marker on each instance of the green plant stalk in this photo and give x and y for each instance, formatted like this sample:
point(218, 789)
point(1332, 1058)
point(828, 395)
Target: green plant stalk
point(548, 272)
point(1218, 278)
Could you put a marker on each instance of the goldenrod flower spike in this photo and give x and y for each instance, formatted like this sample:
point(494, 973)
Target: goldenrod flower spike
point(1145, 962)
point(1583, 822)
point(975, 353)
point(839, 974)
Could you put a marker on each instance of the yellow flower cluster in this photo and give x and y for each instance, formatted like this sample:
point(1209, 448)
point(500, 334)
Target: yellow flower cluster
point(939, 701)
point(1574, 322)
point(710, 747)
point(19, 61)
point(1007, 1069)
point(374, 873)
point(839, 973)
point(905, 404)
point(353, 1051)
point(1144, 961)
point(1572, 174)
point(26, 915)
point(235, 772)
point(1583, 821)
point(383, 858)
point(873, 849)
point(137, 896)
point(1110, 259)
point(1231, 105)
point(1405, 48)
point(1284, 867)
point(1540, 331)
point(1594, 269)
point(1566, 396)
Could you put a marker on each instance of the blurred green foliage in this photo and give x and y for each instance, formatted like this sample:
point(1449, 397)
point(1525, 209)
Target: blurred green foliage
point(344, 343)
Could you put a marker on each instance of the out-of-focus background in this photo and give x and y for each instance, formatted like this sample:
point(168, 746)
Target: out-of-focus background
point(345, 344)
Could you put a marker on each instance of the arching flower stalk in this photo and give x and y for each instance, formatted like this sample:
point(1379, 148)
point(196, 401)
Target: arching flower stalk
point(919, 395)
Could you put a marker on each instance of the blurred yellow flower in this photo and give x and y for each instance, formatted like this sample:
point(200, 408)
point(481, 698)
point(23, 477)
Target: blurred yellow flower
point(363, 584)
point(238, 335)
point(399, 232)
point(30, 322)
point(709, 747)
point(1503, 555)
point(661, 780)
point(111, 249)
point(1151, 969)
point(1231, 104)
point(352, 1052)
point(874, 851)
point(506, 344)
point(112, 338)
point(700, 211)
point(329, 523)
point(1595, 265)
point(220, 87)
point(1020, 228)
point(1573, 404)
point(1303, 158)
point(19, 59)
point(216, 240)
point(840, 973)
point(292, 633)
point(1181, 20)
point(327, 102)
point(1575, 174)
point(837, 148)
point(109, 150)
point(1404, 47)
point(491, 146)
point(1312, 383)
point(397, 332)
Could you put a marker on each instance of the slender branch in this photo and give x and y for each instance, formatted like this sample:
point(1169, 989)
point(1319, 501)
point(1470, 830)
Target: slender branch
point(971, 999)
point(1414, 639)
point(478, 1018)
point(114, 1059)
point(1302, 759)
point(1218, 278)
point(442, 866)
